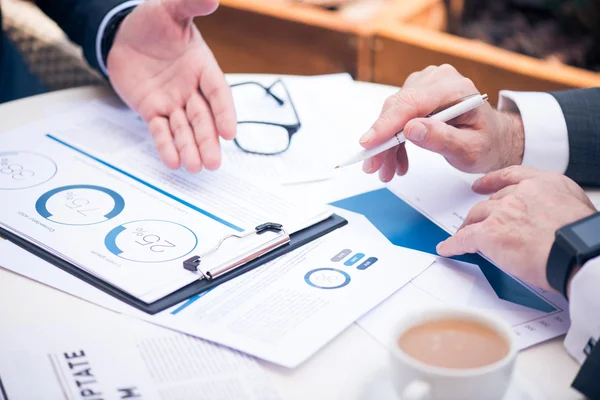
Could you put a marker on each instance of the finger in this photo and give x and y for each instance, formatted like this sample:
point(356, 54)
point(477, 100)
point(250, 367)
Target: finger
point(217, 92)
point(419, 76)
point(411, 103)
point(388, 169)
point(373, 164)
point(503, 192)
point(479, 212)
point(185, 142)
point(205, 133)
point(185, 10)
point(401, 160)
point(163, 141)
point(444, 139)
point(494, 181)
point(464, 241)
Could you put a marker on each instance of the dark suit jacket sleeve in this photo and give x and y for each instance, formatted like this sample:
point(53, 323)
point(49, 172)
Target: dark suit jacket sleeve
point(581, 108)
point(80, 19)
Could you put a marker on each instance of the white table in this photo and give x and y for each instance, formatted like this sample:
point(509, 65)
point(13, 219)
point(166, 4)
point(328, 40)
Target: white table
point(328, 375)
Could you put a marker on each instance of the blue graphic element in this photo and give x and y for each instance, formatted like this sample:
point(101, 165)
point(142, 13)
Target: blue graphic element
point(110, 241)
point(404, 226)
point(367, 263)
point(149, 185)
point(354, 259)
point(40, 205)
point(315, 271)
point(189, 302)
point(341, 255)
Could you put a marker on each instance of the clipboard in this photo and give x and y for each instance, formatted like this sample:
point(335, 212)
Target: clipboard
point(207, 279)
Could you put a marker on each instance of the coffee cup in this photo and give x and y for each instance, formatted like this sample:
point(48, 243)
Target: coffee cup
point(452, 354)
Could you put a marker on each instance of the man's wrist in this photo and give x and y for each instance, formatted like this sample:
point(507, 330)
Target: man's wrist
point(513, 138)
point(108, 29)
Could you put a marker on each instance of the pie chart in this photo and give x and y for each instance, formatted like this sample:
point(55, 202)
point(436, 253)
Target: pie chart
point(80, 205)
point(327, 278)
point(24, 169)
point(151, 241)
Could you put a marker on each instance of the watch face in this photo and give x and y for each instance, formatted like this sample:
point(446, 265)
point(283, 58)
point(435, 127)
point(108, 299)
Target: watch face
point(588, 231)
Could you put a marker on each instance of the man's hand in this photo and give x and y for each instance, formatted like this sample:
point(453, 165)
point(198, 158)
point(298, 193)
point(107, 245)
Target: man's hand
point(515, 228)
point(481, 140)
point(162, 68)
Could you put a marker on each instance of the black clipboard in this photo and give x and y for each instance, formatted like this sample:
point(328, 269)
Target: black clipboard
point(297, 240)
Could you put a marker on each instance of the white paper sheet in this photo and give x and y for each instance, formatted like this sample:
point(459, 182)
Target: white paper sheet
point(458, 284)
point(445, 197)
point(94, 175)
point(124, 359)
point(282, 312)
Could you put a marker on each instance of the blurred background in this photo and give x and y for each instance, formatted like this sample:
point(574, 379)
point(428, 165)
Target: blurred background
point(499, 44)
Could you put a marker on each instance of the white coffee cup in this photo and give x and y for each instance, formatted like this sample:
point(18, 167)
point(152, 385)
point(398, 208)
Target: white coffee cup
point(415, 380)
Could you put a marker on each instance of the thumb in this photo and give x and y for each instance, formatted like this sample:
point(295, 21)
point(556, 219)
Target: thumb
point(183, 10)
point(441, 138)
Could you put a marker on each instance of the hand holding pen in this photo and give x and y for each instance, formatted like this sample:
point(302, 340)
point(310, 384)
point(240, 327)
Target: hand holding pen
point(480, 140)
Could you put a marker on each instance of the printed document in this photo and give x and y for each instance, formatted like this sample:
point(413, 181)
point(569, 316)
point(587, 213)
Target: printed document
point(283, 311)
point(90, 188)
point(434, 189)
point(129, 359)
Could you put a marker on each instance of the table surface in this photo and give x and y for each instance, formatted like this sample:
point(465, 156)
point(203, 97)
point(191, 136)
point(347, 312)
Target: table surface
point(330, 374)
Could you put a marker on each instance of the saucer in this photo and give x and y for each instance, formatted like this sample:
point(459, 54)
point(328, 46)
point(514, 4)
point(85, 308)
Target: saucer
point(378, 386)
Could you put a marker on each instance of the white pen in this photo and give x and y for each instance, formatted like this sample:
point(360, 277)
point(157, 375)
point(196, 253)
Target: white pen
point(444, 115)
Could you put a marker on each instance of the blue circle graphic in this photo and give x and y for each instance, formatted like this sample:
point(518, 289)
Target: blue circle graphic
point(41, 204)
point(327, 278)
point(151, 241)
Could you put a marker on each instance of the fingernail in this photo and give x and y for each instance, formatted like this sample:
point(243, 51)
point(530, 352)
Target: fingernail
point(417, 132)
point(476, 183)
point(368, 166)
point(367, 136)
point(384, 176)
point(438, 248)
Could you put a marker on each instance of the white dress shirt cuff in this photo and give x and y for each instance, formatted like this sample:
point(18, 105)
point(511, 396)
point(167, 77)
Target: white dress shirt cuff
point(546, 135)
point(584, 304)
point(102, 28)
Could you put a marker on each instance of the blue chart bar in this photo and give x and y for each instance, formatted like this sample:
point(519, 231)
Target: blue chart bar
point(147, 184)
point(404, 226)
point(367, 263)
point(354, 259)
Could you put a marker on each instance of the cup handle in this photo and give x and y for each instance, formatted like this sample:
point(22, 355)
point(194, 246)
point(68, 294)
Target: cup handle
point(417, 390)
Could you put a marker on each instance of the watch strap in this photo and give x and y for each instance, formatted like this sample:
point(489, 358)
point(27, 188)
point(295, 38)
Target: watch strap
point(561, 261)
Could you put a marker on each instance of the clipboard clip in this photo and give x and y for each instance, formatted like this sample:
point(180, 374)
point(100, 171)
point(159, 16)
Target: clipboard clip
point(281, 237)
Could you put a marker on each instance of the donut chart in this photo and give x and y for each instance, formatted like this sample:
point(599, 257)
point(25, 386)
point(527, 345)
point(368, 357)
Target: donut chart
point(150, 241)
point(24, 169)
point(80, 205)
point(327, 278)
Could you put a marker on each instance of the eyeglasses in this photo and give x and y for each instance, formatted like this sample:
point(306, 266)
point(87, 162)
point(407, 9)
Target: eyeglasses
point(267, 138)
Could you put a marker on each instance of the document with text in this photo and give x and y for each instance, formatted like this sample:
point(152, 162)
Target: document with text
point(131, 360)
point(282, 312)
point(88, 187)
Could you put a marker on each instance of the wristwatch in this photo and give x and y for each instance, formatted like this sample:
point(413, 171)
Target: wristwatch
point(574, 244)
